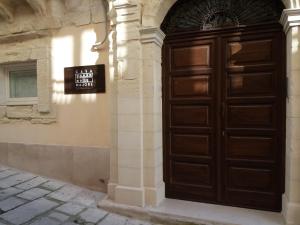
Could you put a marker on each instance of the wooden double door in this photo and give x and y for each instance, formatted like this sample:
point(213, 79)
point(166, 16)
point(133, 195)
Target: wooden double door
point(224, 116)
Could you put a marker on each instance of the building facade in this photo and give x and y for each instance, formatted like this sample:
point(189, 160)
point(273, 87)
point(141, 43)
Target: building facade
point(71, 137)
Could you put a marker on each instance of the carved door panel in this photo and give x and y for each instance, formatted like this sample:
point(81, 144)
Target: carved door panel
point(253, 123)
point(224, 117)
point(191, 102)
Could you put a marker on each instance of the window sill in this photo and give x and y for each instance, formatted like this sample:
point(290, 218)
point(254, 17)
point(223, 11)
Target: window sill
point(21, 101)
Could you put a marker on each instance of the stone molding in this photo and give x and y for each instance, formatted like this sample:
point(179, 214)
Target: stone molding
point(39, 6)
point(7, 11)
point(290, 18)
point(43, 112)
point(152, 35)
point(30, 35)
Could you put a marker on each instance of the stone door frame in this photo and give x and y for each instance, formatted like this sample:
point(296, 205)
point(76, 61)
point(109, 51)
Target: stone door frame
point(136, 165)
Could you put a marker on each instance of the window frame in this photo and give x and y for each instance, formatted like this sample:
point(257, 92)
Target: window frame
point(16, 67)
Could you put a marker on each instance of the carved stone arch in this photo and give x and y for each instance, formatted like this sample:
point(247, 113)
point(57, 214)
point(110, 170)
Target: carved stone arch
point(211, 14)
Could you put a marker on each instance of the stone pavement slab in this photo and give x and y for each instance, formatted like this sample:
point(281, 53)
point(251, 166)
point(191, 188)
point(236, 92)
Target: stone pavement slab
point(33, 200)
point(88, 198)
point(137, 222)
point(11, 203)
point(28, 211)
point(15, 179)
point(71, 208)
point(70, 223)
point(45, 221)
point(7, 173)
point(33, 194)
point(59, 216)
point(66, 193)
point(93, 215)
point(2, 168)
point(32, 183)
point(53, 185)
point(9, 192)
point(113, 219)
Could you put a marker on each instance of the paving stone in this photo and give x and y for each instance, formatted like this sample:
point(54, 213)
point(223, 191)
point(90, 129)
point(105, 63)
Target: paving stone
point(53, 185)
point(11, 203)
point(137, 222)
point(15, 179)
point(71, 208)
point(28, 211)
point(88, 198)
point(66, 193)
point(59, 216)
point(113, 219)
point(93, 215)
point(9, 192)
point(2, 168)
point(32, 183)
point(45, 221)
point(70, 223)
point(7, 173)
point(33, 194)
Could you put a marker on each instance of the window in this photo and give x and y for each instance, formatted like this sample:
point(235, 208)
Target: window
point(20, 83)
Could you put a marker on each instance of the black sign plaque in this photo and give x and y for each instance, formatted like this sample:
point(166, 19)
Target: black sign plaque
point(85, 79)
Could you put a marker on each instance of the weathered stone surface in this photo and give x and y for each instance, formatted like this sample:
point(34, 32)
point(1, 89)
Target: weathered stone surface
point(59, 216)
point(66, 193)
point(7, 173)
point(42, 15)
point(45, 221)
point(2, 111)
point(16, 112)
point(32, 183)
point(71, 208)
point(53, 185)
point(9, 192)
point(93, 215)
point(113, 219)
point(137, 222)
point(11, 203)
point(39, 6)
point(44, 211)
point(28, 211)
point(7, 10)
point(33, 194)
point(88, 198)
point(15, 179)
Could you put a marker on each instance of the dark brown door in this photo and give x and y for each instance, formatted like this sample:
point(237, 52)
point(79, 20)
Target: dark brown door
point(224, 116)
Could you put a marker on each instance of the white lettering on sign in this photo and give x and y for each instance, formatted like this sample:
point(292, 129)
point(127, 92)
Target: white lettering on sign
point(84, 78)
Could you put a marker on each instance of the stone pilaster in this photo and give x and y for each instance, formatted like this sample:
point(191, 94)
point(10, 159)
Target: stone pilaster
point(152, 41)
point(291, 201)
point(127, 185)
point(135, 63)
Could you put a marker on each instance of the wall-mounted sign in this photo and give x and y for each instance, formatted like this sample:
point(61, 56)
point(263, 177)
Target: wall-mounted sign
point(85, 79)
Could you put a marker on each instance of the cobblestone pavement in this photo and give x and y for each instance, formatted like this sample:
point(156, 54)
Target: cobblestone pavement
point(26, 198)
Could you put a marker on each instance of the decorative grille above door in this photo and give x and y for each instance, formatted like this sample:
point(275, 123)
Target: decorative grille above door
point(213, 14)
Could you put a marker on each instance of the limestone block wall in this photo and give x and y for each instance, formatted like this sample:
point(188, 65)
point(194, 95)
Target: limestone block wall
point(63, 136)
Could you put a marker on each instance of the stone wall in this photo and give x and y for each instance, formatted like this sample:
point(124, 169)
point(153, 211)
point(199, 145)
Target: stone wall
point(62, 136)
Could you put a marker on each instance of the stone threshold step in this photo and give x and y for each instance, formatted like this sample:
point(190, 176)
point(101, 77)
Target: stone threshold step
point(178, 212)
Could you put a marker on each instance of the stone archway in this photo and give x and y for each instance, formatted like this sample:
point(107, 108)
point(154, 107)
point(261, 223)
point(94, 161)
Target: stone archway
point(135, 53)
